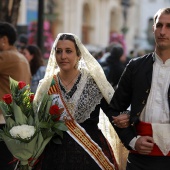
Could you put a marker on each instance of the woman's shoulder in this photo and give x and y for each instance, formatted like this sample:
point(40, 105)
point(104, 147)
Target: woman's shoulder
point(42, 68)
point(41, 71)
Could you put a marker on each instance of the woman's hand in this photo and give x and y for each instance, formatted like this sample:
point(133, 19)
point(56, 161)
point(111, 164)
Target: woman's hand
point(121, 121)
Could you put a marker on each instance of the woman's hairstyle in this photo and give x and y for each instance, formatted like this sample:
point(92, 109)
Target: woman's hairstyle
point(37, 60)
point(161, 11)
point(71, 38)
point(7, 29)
point(87, 62)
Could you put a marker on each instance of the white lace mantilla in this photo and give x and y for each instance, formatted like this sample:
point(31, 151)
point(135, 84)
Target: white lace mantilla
point(85, 99)
point(87, 61)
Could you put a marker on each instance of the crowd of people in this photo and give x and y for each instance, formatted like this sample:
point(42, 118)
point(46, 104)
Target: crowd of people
point(134, 94)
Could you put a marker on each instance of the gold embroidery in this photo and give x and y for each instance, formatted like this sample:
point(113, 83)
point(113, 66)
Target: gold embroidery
point(82, 138)
point(89, 145)
point(70, 107)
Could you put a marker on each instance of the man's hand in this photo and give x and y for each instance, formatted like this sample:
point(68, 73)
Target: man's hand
point(144, 145)
point(121, 121)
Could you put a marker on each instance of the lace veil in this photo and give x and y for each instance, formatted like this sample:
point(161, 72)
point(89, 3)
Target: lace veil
point(87, 61)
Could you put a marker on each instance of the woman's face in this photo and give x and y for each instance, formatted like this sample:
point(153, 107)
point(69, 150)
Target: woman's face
point(27, 55)
point(66, 55)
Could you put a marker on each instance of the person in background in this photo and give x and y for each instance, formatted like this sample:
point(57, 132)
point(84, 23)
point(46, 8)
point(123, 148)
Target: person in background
point(114, 64)
point(98, 55)
point(22, 42)
point(12, 64)
point(103, 60)
point(129, 57)
point(77, 83)
point(145, 86)
point(34, 56)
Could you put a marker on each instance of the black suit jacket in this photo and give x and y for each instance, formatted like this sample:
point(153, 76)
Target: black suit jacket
point(133, 90)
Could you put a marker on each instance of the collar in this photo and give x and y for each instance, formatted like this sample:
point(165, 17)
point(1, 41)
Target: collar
point(160, 62)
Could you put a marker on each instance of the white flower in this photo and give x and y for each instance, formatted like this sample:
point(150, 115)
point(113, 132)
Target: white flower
point(22, 131)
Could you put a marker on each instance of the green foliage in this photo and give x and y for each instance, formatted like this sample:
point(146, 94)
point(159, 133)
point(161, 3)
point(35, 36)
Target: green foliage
point(60, 126)
point(57, 141)
point(19, 112)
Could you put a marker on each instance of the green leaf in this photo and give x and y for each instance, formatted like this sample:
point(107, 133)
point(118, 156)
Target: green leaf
point(13, 86)
point(42, 109)
point(4, 108)
point(40, 145)
point(30, 120)
point(15, 146)
point(59, 132)
point(20, 118)
point(60, 125)
point(48, 106)
point(57, 141)
point(10, 122)
point(45, 125)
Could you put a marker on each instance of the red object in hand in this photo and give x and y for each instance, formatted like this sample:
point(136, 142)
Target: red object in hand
point(21, 84)
point(7, 98)
point(54, 110)
point(31, 97)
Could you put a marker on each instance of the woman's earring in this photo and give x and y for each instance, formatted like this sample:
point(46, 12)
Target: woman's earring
point(77, 64)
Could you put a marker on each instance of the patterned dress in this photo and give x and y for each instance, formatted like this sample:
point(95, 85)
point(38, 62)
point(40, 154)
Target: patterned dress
point(69, 155)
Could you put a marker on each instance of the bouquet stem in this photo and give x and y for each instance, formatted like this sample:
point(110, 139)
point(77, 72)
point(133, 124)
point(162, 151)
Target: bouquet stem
point(22, 167)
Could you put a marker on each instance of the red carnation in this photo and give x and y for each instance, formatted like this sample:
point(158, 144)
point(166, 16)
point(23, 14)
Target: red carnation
point(21, 84)
point(7, 98)
point(54, 110)
point(31, 97)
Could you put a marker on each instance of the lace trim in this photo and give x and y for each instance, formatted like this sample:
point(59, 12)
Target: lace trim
point(85, 99)
point(87, 61)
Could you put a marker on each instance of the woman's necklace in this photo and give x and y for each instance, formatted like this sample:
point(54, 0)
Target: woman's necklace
point(67, 84)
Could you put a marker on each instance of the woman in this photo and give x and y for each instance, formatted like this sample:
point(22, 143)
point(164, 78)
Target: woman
point(34, 57)
point(79, 86)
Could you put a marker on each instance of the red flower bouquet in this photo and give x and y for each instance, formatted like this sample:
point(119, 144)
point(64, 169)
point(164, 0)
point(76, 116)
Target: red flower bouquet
point(27, 132)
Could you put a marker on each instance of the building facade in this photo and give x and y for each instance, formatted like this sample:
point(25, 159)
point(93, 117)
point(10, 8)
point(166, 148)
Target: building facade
point(95, 21)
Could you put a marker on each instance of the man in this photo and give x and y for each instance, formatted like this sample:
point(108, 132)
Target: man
point(15, 65)
point(22, 42)
point(145, 87)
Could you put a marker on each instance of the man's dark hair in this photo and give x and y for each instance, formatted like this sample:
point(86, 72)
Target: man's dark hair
point(7, 29)
point(23, 38)
point(161, 11)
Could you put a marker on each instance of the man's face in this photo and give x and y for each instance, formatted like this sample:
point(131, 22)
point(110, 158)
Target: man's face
point(161, 30)
point(2, 43)
point(21, 47)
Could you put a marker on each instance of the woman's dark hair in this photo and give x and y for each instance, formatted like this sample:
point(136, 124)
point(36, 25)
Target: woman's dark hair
point(7, 29)
point(37, 60)
point(71, 38)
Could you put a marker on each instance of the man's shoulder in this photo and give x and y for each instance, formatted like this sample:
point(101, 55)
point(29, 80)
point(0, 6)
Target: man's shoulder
point(142, 59)
point(12, 55)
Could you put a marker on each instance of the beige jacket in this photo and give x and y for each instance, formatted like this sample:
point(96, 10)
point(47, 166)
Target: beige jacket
point(15, 65)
